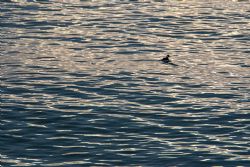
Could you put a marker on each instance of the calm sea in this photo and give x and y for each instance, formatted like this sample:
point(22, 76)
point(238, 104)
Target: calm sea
point(82, 83)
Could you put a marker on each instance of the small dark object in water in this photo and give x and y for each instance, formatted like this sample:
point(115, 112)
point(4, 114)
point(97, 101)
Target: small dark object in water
point(166, 59)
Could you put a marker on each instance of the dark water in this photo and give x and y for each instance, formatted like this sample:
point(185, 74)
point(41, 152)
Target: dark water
point(82, 84)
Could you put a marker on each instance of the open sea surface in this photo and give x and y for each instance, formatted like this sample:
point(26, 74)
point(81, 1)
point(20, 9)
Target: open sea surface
point(82, 83)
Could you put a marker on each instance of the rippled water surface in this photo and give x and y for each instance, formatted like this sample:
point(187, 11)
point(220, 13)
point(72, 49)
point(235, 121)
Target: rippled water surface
point(82, 84)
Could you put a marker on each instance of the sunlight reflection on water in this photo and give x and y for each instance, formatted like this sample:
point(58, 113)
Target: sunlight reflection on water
point(82, 83)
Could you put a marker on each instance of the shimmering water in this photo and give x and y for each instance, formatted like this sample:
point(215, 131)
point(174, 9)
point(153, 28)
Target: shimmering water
point(82, 84)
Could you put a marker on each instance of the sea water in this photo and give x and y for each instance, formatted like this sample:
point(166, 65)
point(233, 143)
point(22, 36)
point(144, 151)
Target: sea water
point(82, 83)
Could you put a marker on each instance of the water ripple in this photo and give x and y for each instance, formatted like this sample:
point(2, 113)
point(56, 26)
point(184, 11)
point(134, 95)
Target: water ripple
point(82, 84)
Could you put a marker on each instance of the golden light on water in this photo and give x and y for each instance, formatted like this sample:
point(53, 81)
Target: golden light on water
point(84, 79)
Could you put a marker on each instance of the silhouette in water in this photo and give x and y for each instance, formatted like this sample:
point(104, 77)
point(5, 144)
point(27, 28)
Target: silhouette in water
point(166, 60)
